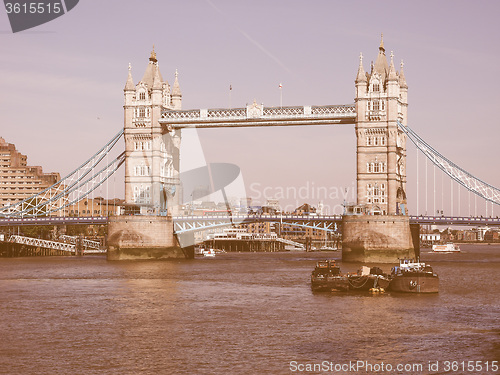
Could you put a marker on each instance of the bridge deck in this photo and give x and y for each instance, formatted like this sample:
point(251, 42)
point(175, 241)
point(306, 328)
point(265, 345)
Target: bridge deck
point(436, 220)
point(258, 115)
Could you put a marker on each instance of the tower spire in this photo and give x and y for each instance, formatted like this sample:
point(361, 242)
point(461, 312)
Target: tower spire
point(129, 86)
point(381, 47)
point(157, 83)
point(361, 77)
point(153, 55)
point(402, 79)
point(392, 69)
point(381, 66)
point(176, 90)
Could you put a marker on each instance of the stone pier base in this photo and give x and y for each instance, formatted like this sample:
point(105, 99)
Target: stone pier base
point(376, 238)
point(143, 237)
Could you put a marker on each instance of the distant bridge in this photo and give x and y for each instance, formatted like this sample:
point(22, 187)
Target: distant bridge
point(184, 224)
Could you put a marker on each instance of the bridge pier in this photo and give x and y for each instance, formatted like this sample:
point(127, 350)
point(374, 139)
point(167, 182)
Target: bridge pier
point(377, 238)
point(142, 237)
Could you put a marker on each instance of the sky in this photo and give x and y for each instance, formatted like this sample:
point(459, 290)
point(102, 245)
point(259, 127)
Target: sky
point(62, 84)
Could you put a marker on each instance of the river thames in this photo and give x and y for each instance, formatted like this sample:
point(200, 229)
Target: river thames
point(243, 313)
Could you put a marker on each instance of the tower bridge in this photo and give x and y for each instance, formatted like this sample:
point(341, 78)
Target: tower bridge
point(377, 228)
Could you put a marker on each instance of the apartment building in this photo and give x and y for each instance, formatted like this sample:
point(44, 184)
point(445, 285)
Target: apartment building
point(18, 180)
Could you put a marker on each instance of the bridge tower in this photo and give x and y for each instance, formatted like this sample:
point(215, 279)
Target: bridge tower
point(152, 158)
point(151, 171)
point(381, 100)
point(377, 228)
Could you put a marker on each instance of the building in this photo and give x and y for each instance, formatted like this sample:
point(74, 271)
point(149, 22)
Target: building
point(381, 102)
point(95, 207)
point(492, 235)
point(18, 180)
point(152, 158)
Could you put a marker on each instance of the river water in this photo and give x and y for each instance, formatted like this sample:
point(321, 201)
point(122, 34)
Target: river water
point(242, 313)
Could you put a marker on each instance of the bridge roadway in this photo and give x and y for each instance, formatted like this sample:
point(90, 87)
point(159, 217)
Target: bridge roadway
point(193, 223)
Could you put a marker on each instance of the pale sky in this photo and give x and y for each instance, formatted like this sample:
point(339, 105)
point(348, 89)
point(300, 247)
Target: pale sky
point(62, 82)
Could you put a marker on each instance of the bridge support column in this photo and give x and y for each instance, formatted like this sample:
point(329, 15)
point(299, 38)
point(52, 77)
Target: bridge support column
point(376, 238)
point(142, 237)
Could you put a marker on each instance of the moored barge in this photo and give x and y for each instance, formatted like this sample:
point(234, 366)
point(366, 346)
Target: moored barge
point(326, 277)
point(414, 277)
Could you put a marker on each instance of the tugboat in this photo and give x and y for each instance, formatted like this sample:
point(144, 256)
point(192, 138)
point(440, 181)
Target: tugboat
point(414, 277)
point(326, 277)
point(369, 279)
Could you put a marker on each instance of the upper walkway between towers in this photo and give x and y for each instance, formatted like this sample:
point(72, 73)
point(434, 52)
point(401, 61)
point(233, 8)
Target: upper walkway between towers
point(258, 115)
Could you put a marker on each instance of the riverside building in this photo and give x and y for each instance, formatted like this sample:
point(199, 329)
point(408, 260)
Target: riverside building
point(18, 180)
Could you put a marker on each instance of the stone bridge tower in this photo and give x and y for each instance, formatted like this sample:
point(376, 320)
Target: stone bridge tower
point(151, 171)
point(381, 101)
point(377, 228)
point(152, 158)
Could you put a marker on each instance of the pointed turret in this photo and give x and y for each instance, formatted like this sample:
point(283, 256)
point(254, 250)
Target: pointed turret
point(129, 86)
point(381, 66)
point(176, 92)
point(392, 71)
point(361, 77)
point(151, 70)
point(157, 81)
point(402, 79)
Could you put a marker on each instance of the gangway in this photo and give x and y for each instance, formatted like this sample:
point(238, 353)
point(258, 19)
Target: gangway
point(53, 245)
point(290, 242)
point(87, 244)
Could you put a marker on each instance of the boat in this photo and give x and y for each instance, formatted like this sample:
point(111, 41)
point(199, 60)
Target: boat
point(327, 248)
point(209, 253)
point(369, 279)
point(326, 277)
point(446, 248)
point(413, 277)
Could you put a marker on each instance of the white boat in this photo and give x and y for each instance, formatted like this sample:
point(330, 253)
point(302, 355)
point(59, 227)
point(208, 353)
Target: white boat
point(209, 253)
point(446, 248)
point(328, 248)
